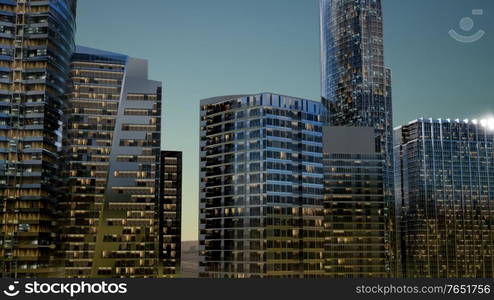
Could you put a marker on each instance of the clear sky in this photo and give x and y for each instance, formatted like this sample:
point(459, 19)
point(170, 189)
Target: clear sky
point(206, 48)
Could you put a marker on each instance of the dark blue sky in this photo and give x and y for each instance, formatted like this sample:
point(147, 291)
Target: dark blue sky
point(205, 48)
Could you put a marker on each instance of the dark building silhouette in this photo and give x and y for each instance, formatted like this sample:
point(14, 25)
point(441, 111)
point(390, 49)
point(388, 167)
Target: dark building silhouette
point(170, 213)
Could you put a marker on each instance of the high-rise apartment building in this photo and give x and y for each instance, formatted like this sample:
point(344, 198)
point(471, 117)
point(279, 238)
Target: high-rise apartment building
point(261, 189)
point(355, 84)
point(355, 211)
point(444, 183)
point(109, 225)
point(170, 213)
point(36, 44)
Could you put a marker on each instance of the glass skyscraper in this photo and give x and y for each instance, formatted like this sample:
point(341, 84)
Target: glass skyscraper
point(36, 44)
point(261, 189)
point(355, 212)
point(444, 184)
point(355, 84)
point(109, 224)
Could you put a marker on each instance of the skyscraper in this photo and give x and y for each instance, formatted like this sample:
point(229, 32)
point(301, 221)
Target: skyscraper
point(355, 211)
point(109, 224)
point(261, 189)
point(170, 213)
point(36, 43)
point(444, 184)
point(355, 84)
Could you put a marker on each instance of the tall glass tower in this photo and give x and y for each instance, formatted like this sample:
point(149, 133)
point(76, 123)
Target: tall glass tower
point(36, 44)
point(109, 225)
point(356, 86)
point(262, 186)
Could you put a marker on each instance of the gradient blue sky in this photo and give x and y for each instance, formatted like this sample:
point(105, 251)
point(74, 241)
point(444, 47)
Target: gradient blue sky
point(206, 48)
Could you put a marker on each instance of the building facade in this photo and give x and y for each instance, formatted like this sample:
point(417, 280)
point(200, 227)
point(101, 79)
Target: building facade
point(261, 187)
point(34, 68)
point(444, 176)
point(355, 211)
point(356, 85)
point(170, 213)
point(108, 222)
